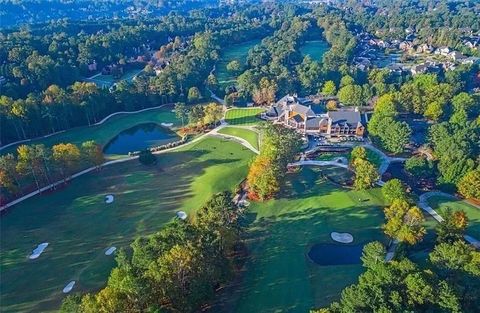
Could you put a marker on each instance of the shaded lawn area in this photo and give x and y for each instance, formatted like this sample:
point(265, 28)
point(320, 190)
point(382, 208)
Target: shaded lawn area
point(315, 49)
point(79, 226)
point(243, 116)
point(419, 253)
point(439, 203)
point(248, 135)
point(278, 276)
point(372, 156)
point(103, 133)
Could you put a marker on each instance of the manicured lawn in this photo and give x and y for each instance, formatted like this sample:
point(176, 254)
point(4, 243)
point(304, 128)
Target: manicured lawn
point(243, 116)
point(315, 49)
point(248, 135)
point(106, 81)
point(278, 276)
point(473, 213)
point(79, 226)
point(237, 52)
point(106, 131)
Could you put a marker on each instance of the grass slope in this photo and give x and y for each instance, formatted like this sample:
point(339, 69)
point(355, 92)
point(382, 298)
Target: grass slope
point(279, 277)
point(79, 226)
point(106, 131)
point(243, 116)
point(248, 135)
point(237, 52)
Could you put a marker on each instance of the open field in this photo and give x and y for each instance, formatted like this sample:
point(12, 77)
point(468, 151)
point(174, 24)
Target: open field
point(79, 226)
point(237, 52)
point(248, 135)
point(315, 49)
point(243, 116)
point(106, 81)
point(278, 276)
point(103, 133)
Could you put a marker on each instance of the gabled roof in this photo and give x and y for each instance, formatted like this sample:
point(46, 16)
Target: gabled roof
point(298, 118)
point(302, 109)
point(345, 118)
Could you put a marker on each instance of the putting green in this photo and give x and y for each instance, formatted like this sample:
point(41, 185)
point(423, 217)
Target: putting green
point(106, 131)
point(249, 135)
point(278, 276)
point(79, 226)
point(243, 116)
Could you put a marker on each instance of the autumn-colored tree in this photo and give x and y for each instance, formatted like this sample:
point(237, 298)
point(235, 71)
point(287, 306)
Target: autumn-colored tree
point(453, 226)
point(213, 113)
point(66, 157)
point(264, 94)
point(92, 153)
point(331, 105)
point(358, 152)
point(366, 175)
point(404, 223)
point(8, 174)
point(34, 160)
point(262, 179)
point(469, 185)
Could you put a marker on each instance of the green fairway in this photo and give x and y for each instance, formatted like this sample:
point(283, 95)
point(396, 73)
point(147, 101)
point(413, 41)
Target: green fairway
point(106, 81)
point(439, 203)
point(106, 131)
point(79, 226)
point(249, 135)
point(315, 49)
point(237, 52)
point(278, 276)
point(243, 116)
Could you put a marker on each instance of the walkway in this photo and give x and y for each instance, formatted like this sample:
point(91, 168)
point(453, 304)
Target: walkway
point(241, 141)
point(319, 163)
point(423, 204)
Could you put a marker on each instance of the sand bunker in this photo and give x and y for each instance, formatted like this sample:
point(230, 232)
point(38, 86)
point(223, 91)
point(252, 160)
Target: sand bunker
point(38, 250)
point(342, 237)
point(166, 124)
point(69, 287)
point(109, 198)
point(110, 250)
point(244, 203)
point(182, 215)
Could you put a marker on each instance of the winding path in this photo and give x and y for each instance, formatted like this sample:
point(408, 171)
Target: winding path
point(423, 204)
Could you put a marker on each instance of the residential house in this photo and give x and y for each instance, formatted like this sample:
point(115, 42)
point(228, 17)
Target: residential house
point(456, 56)
point(443, 51)
point(298, 114)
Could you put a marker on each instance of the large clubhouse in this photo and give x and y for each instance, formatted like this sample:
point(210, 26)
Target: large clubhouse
point(298, 113)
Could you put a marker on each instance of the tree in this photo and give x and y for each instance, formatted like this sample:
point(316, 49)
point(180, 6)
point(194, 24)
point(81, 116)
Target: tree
point(9, 177)
point(351, 95)
point(419, 167)
point(404, 223)
point(263, 182)
point(469, 184)
point(181, 111)
point(264, 94)
point(358, 152)
point(453, 226)
point(193, 94)
point(146, 157)
point(234, 66)
point(396, 136)
point(331, 105)
point(394, 190)
point(373, 254)
point(329, 88)
point(66, 157)
point(196, 115)
point(434, 111)
point(92, 153)
point(366, 174)
point(213, 113)
point(212, 82)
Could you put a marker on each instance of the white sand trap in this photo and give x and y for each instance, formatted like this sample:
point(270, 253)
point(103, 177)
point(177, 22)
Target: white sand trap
point(110, 250)
point(342, 237)
point(166, 124)
point(69, 287)
point(109, 198)
point(244, 203)
point(38, 250)
point(182, 215)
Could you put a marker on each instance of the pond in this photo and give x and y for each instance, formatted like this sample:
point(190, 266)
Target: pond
point(335, 254)
point(315, 49)
point(139, 138)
